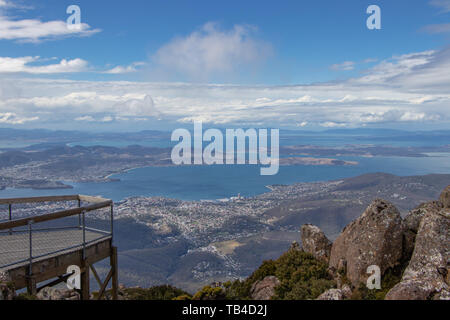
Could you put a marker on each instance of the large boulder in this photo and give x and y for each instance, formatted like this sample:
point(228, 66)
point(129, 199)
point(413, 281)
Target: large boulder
point(331, 294)
point(414, 217)
point(315, 242)
point(336, 294)
point(49, 293)
point(427, 275)
point(7, 291)
point(265, 288)
point(375, 238)
point(445, 197)
point(411, 225)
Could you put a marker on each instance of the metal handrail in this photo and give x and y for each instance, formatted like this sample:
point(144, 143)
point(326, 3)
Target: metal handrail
point(40, 199)
point(53, 216)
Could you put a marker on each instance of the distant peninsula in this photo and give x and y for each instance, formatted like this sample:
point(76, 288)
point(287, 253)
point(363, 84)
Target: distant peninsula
point(308, 161)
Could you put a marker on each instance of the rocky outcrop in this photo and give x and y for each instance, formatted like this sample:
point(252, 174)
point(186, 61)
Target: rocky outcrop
point(265, 288)
point(414, 217)
point(336, 294)
point(331, 294)
point(375, 238)
point(7, 291)
point(426, 276)
point(295, 246)
point(49, 293)
point(315, 242)
point(445, 197)
point(411, 225)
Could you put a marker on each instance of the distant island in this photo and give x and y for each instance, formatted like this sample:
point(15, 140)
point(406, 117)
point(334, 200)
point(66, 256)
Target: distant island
point(292, 161)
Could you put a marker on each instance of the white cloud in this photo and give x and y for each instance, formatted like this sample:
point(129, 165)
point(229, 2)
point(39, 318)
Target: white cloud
point(6, 4)
point(107, 119)
point(394, 115)
point(344, 66)
point(351, 65)
point(125, 69)
point(137, 107)
point(35, 30)
point(12, 118)
point(23, 64)
point(437, 28)
point(444, 5)
point(211, 50)
point(427, 70)
point(331, 124)
point(412, 116)
point(85, 118)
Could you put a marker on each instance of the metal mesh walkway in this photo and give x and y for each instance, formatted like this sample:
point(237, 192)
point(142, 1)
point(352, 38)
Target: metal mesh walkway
point(15, 247)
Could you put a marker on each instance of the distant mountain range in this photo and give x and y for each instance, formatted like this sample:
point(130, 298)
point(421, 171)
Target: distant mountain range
point(41, 136)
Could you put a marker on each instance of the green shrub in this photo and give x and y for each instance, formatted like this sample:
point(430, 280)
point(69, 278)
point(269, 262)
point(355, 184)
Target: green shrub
point(25, 296)
point(183, 297)
point(301, 277)
point(209, 293)
point(165, 292)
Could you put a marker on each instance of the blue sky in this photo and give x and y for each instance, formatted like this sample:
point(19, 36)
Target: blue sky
point(305, 64)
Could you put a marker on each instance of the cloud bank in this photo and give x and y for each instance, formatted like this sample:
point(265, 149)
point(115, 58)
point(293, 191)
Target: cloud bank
point(410, 88)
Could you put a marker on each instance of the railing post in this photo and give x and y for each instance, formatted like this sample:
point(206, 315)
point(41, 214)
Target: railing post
point(79, 216)
point(10, 216)
point(112, 220)
point(31, 281)
point(84, 233)
point(85, 274)
point(30, 239)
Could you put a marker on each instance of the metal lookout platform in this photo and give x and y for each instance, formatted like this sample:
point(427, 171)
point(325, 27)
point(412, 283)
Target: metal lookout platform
point(37, 249)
